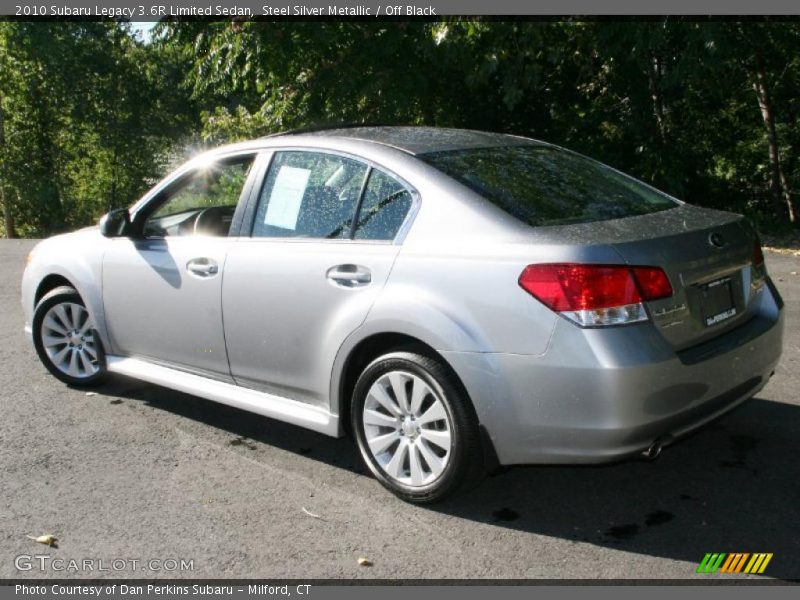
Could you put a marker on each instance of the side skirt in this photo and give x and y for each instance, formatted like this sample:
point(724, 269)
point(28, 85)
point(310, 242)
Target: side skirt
point(268, 405)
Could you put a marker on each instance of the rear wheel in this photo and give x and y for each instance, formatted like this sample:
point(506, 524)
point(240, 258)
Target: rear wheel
point(65, 339)
point(415, 428)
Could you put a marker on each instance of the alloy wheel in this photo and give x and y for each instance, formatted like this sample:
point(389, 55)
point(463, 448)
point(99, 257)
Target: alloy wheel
point(407, 428)
point(68, 341)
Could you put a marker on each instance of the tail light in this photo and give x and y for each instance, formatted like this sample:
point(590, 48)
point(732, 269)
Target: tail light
point(596, 295)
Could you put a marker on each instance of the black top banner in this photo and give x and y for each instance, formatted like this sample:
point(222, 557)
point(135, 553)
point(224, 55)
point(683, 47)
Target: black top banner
point(138, 10)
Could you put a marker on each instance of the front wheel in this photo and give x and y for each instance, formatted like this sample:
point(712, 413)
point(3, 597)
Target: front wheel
point(415, 428)
point(65, 339)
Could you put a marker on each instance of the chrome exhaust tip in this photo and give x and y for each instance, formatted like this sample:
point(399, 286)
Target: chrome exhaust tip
point(653, 451)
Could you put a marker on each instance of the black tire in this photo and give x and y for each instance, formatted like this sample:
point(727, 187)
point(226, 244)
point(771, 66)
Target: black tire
point(465, 466)
point(60, 295)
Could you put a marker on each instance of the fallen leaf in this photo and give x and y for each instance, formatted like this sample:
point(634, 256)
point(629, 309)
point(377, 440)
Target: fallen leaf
point(47, 540)
point(310, 514)
point(364, 562)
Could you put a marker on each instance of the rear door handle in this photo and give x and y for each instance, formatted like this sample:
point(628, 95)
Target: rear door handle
point(202, 267)
point(349, 276)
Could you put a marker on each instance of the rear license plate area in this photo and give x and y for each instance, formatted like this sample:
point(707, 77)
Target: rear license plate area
point(716, 299)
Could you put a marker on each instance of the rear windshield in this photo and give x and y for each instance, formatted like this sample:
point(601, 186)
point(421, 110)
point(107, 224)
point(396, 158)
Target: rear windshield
point(540, 185)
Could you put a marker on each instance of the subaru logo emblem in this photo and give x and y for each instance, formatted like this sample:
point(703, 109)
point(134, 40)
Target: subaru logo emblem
point(716, 240)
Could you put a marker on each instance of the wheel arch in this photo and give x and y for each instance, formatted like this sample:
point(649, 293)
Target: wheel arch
point(80, 278)
point(359, 353)
point(49, 283)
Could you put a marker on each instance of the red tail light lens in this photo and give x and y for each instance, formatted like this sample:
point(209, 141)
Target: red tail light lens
point(580, 287)
point(596, 295)
point(652, 282)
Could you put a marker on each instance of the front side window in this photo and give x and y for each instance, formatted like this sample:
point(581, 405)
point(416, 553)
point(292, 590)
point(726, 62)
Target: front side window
point(309, 195)
point(201, 203)
point(541, 185)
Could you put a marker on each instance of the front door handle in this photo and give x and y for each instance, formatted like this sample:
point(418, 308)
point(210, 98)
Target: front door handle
point(202, 267)
point(349, 276)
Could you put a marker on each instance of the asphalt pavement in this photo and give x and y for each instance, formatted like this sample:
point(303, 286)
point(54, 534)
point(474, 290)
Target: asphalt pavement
point(140, 473)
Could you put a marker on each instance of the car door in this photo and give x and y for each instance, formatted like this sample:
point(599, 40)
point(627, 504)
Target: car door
point(309, 273)
point(162, 287)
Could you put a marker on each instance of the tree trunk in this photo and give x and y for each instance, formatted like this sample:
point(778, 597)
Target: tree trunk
point(8, 218)
point(778, 182)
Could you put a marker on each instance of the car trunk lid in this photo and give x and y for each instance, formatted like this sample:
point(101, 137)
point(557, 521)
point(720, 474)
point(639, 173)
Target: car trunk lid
point(707, 255)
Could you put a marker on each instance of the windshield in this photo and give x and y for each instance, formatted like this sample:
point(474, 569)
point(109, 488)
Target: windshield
point(541, 185)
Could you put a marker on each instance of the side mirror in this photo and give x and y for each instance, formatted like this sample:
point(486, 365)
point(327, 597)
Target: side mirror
point(115, 223)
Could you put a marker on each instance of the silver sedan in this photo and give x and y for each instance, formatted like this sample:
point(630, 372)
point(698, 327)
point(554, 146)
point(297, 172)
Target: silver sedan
point(456, 300)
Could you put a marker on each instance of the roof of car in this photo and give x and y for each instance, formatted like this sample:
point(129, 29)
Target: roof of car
point(422, 140)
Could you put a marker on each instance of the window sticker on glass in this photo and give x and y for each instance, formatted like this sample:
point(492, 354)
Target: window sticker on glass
point(287, 195)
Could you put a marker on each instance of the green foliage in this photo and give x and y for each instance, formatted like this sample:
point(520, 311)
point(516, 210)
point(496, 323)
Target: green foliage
point(671, 101)
point(88, 113)
point(93, 117)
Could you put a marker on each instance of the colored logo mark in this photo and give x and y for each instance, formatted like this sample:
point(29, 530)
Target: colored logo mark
point(735, 562)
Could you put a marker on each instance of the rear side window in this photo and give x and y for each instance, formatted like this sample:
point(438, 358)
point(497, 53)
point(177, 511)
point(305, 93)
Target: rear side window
point(547, 186)
point(384, 208)
point(310, 195)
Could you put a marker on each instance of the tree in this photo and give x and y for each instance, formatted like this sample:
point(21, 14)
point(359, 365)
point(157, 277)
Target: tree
point(706, 110)
point(89, 115)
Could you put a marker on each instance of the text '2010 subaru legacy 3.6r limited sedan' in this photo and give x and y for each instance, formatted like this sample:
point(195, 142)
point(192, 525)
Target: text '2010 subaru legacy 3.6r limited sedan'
point(455, 299)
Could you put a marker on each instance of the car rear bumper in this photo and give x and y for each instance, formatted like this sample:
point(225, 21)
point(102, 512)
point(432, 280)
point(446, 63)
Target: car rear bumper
point(600, 395)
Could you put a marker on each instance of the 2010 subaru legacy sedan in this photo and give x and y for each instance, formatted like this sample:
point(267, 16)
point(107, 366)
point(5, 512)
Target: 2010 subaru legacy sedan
point(455, 299)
